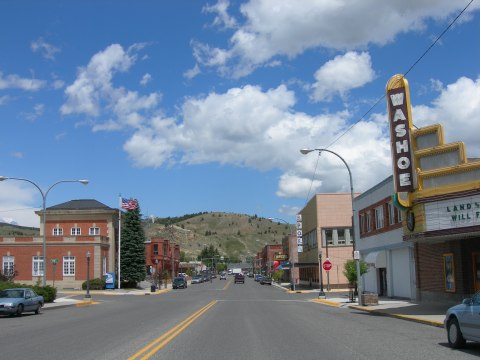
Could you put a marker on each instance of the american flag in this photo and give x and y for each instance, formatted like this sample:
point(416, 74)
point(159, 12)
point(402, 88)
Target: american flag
point(129, 204)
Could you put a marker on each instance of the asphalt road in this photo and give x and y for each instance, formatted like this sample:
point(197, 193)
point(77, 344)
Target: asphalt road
point(219, 320)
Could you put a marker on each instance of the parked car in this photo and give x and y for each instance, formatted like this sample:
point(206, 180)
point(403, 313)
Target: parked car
point(250, 275)
point(196, 279)
point(266, 280)
point(239, 278)
point(19, 300)
point(462, 322)
point(223, 276)
point(179, 283)
point(258, 277)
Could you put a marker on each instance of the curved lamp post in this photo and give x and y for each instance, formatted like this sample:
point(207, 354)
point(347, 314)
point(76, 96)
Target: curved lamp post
point(44, 208)
point(307, 151)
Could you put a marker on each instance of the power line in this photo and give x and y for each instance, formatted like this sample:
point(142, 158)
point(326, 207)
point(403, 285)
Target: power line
point(383, 96)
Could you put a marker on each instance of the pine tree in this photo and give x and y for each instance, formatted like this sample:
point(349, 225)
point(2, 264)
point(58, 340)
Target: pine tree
point(132, 252)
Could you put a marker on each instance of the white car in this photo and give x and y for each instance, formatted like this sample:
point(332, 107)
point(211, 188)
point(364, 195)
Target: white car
point(462, 322)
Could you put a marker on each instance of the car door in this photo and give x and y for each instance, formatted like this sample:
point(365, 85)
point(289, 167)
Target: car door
point(470, 319)
point(29, 304)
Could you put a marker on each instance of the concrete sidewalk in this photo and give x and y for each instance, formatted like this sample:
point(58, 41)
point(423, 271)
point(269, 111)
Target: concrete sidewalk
point(427, 313)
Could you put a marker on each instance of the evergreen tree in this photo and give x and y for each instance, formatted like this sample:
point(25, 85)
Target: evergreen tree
point(132, 252)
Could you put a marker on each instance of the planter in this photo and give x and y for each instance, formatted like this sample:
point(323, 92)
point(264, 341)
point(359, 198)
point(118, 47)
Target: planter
point(369, 299)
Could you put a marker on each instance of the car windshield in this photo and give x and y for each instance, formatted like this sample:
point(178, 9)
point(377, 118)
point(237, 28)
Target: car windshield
point(11, 294)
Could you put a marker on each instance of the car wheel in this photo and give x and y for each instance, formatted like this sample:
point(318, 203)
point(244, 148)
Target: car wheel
point(37, 310)
point(19, 310)
point(454, 334)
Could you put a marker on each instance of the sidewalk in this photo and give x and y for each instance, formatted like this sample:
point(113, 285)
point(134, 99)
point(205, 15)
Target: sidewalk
point(427, 313)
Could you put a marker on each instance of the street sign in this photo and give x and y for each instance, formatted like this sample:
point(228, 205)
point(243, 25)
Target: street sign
point(327, 265)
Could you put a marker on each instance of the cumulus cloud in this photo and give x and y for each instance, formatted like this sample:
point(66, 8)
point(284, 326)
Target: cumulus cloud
point(222, 18)
point(13, 81)
point(18, 200)
point(191, 73)
point(457, 108)
point(47, 50)
point(293, 28)
point(93, 91)
point(145, 79)
point(340, 75)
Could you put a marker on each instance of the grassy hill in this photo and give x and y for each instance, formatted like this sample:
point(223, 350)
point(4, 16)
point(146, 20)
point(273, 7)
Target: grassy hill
point(234, 235)
point(16, 230)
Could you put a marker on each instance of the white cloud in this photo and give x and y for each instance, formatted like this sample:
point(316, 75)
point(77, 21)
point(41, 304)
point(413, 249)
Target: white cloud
point(18, 202)
point(16, 82)
point(38, 110)
point(222, 18)
point(48, 51)
point(145, 79)
point(191, 73)
point(457, 108)
point(94, 91)
point(286, 28)
point(343, 73)
point(4, 99)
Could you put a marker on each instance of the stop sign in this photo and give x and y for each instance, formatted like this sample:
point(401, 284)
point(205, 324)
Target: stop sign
point(327, 265)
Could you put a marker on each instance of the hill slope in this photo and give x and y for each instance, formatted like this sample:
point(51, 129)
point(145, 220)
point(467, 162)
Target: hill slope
point(234, 235)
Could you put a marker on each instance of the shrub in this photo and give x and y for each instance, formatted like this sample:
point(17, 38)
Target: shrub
point(95, 284)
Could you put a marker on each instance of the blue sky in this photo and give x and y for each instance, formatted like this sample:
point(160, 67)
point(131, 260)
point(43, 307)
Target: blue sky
point(194, 106)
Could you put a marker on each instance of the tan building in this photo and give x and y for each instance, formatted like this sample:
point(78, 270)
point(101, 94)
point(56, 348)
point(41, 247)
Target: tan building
point(326, 234)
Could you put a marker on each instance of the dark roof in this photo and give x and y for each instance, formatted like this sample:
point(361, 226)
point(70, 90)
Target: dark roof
point(88, 204)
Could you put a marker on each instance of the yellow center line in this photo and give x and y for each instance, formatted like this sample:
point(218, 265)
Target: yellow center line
point(227, 284)
point(171, 334)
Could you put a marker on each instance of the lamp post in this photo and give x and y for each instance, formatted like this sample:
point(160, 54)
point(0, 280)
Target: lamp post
point(157, 275)
point(44, 208)
point(87, 295)
point(306, 151)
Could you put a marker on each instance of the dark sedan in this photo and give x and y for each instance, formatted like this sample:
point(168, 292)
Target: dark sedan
point(266, 280)
point(179, 283)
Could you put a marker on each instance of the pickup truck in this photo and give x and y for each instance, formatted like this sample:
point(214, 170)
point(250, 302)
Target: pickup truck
point(239, 278)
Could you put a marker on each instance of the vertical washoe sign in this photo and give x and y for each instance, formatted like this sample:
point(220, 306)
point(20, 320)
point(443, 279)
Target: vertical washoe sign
point(400, 118)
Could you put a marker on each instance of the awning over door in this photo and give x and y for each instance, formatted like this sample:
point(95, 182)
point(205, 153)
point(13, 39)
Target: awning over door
point(376, 258)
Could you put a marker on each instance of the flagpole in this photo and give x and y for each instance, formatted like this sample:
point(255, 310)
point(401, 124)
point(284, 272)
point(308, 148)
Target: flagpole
point(119, 235)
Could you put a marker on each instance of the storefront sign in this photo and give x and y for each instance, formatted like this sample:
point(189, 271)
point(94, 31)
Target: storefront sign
point(398, 109)
point(453, 213)
point(280, 257)
point(299, 233)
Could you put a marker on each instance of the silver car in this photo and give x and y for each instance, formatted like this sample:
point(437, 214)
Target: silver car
point(463, 322)
point(16, 301)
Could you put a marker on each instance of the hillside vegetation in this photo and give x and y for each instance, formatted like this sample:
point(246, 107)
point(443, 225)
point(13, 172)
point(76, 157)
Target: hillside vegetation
point(234, 235)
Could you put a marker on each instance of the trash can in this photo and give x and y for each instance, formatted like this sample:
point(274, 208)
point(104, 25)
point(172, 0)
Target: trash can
point(153, 288)
point(292, 287)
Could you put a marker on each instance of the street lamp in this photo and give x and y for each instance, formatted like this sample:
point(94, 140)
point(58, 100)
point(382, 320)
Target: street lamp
point(87, 295)
point(306, 151)
point(44, 208)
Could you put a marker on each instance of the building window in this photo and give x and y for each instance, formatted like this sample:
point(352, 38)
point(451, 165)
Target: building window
point(399, 215)
point(329, 236)
point(379, 223)
point(368, 222)
point(391, 213)
point(37, 266)
point(362, 223)
point(57, 231)
point(75, 231)
point(341, 240)
point(8, 265)
point(68, 265)
point(155, 249)
point(94, 231)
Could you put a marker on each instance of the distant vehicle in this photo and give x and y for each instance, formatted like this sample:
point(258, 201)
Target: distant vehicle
point(184, 275)
point(266, 280)
point(258, 277)
point(230, 271)
point(197, 279)
point(179, 283)
point(462, 322)
point(250, 274)
point(19, 300)
point(237, 271)
point(239, 278)
point(223, 276)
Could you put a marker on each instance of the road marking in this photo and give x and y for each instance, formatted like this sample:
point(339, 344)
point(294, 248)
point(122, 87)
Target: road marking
point(160, 342)
point(229, 281)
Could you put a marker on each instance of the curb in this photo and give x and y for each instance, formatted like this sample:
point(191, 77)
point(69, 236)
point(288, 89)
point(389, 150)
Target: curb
point(327, 302)
point(399, 316)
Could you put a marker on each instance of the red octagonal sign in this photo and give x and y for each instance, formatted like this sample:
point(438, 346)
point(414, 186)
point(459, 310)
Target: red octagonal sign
point(327, 265)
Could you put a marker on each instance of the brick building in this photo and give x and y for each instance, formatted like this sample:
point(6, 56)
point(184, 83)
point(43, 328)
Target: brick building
point(158, 256)
point(73, 229)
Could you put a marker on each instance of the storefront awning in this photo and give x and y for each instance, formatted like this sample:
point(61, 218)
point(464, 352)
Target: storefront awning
point(376, 258)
